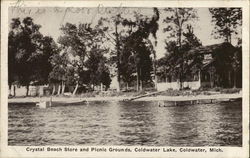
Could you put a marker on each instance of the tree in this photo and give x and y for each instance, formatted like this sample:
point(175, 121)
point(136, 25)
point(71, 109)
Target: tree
point(237, 66)
point(103, 75)
point(128, 66)
point(78, 42)
point(227, 21)
point(47, 48)
point(27, 46)
point(154, 27)
point(97, 69)
point(171, 63)
point(191, 39)
point(138, 47)
point(113, 34)
point(59, 73)
point(177, 19)
point(119, 29)
point(191, 63)
point(12, 50)
point(141, 56)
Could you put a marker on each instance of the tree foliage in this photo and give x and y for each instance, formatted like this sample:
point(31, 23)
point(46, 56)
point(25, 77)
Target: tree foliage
point(28, 53)
point(227, 21)
point(177, 19)
point(83, 46)
point(177, 60)
point(137, 48)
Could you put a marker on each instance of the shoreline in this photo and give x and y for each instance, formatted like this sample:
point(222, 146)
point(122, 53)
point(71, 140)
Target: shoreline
point(126, 98)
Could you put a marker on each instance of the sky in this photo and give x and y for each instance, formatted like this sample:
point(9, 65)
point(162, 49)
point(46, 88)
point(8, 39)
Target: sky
point(51, 19)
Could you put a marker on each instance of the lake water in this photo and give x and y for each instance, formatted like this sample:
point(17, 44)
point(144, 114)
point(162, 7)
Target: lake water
point(127, 123)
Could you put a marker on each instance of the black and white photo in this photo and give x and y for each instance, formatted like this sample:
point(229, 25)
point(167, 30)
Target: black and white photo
point(126, 76)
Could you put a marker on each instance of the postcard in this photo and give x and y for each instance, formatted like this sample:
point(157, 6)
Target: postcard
point(125, 79)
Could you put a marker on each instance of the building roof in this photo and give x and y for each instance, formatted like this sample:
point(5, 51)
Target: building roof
point(211, 49)
point(202, 57)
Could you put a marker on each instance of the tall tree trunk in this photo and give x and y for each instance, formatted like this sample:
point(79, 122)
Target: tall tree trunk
point(63, 87)
point(14, 90)
point(180, 80)
point(54, 89)
point(229, 79)
point(118, 56)
point(27, 89)
point(118, 80)
point(59, 89)
point(101, 87)
point(155, 69)
point(199, 77)
point(180, 46)
point(141, 86)
point(182, 61)
point(211, 81)
point(137, 79)
point(140, 81)
point(234, 78)
point(75, 90)
point(127, 86)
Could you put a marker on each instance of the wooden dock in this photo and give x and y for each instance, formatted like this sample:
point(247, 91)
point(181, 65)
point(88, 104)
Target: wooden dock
point(197, 98)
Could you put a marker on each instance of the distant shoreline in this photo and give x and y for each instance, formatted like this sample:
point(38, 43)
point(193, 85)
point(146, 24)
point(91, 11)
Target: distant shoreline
point(126, 98)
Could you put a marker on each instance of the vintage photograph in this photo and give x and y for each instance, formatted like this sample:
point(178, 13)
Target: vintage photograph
point(125, 76)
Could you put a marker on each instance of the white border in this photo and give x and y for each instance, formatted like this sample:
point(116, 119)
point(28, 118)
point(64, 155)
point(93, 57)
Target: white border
point(10, 151)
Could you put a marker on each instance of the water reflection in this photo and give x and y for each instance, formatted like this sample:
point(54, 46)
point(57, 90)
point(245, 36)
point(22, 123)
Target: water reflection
point(137, 123)
point(127, 123)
